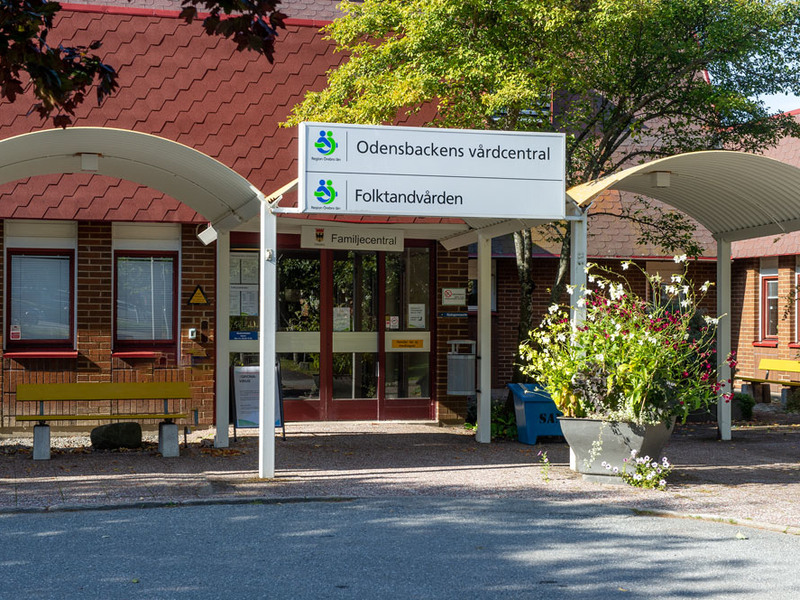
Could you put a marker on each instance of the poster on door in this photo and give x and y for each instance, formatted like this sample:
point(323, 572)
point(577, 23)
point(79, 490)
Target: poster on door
point(246, 385)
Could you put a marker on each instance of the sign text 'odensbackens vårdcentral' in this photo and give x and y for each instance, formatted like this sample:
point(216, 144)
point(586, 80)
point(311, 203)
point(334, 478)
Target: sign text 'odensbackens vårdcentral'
point(353, 169)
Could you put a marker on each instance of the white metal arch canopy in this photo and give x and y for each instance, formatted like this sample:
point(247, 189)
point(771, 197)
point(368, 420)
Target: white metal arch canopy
point(212, 189)
point(734, 195)
point(204, 184)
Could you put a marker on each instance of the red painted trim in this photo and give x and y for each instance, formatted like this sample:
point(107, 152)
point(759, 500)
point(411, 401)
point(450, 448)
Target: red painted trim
point(31, 344)
point(137, 354)
point(764, 308)
point(794, 345)
point(766, 344)
point(326, 334)
point(41, 354)
point(171, 14)
point(381, 335)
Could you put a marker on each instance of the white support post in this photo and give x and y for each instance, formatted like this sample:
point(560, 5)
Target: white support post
point(577, 267)
point(577, 279)
point(724, 336)
point(484, 432)
point(222, 335)
point(268, 261)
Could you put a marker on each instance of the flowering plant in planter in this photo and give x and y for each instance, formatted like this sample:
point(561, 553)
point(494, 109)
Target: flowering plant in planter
point(630, 360)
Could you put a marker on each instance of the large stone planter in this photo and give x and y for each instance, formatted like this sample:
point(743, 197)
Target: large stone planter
point(594, 442)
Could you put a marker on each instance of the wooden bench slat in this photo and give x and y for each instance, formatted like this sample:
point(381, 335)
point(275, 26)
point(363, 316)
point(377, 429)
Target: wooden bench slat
point(762, 380)
point(36, 392)
point(778, 364)
point(101, 417)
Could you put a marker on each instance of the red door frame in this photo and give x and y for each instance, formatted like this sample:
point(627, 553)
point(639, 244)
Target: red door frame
point(326, 408)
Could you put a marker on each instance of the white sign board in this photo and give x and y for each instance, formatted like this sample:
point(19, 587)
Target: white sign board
point(352, 238)
point(246, 384)
point(426, 172)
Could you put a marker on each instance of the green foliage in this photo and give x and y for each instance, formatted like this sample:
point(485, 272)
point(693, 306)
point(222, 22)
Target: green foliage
point(504, 422)
point(746, 403)
point(793, 401)
point(626, 80)
point(629, 360)
point(545, 465)
point(645, 472)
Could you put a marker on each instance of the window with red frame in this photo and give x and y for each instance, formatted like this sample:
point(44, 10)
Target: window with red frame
point(40, 298)
point(769, 307)
point(146, 312)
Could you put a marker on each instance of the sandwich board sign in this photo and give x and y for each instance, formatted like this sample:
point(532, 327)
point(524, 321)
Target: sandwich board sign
point(428, 172)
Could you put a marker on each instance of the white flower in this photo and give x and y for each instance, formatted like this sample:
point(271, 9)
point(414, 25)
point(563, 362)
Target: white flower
point(671, 290)
point(686, 302)
point(581, 302)
point(662, 483)
point(561, 337)
point(591, 278)
point(570, 289)
point(625, 265)
point(705, 286)
point(710, 320)
point(685, 290)
point(680, 259)
point(553, 308)
point(587, 292)
point(675, 279)
point(637, 476)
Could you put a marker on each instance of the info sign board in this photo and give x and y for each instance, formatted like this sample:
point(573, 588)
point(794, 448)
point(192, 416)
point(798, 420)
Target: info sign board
point(426, 172)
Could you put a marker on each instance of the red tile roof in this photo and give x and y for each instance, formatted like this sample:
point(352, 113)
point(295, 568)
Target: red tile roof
point(178, 83)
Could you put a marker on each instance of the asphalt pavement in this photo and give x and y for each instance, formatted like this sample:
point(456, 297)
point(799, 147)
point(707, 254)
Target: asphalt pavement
point(420, 548)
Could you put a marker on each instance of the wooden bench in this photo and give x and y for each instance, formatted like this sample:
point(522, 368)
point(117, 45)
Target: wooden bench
point(771, 365)
point(112, 394)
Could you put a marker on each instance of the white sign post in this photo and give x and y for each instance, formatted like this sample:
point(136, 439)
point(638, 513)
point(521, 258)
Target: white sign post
point(426, 172)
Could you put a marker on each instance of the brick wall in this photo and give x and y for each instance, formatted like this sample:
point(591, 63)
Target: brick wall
point(451, 271)
point(746, 316)
point(94, 329)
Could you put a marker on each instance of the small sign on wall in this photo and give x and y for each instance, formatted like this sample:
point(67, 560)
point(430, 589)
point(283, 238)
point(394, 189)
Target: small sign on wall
point(454, 296)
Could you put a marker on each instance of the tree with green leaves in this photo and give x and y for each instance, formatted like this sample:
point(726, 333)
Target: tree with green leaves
point(61, 76)
point(627, 81)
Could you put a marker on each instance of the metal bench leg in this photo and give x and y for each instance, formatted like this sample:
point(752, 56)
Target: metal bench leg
point(168, 439)
point(41, 442)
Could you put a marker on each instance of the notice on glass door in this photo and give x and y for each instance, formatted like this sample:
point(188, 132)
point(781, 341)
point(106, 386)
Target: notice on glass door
point(341, 318)
point(416, 316)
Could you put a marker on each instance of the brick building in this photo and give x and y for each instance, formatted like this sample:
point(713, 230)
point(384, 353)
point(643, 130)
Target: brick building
point(81, 251)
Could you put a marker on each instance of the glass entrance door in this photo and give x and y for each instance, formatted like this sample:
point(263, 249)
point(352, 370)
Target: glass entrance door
point(354, 334)
point(354, 361)
point(298, 341)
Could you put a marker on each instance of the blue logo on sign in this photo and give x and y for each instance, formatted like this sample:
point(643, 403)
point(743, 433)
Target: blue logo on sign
point(325, 192)
point(325, 144)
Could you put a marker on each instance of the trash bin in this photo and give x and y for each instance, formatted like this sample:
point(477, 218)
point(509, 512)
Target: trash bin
point(535, 411)
point(461, 368)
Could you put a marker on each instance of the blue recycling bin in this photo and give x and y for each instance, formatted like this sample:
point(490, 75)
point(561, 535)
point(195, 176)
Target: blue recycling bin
point(536, 412)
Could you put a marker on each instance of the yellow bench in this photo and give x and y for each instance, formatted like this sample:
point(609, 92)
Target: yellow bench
point(770, 365)
point(48, 394)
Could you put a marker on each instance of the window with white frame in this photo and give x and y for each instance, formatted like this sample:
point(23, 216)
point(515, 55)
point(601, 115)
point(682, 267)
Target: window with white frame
point(40, 284)
point(146, 285)
point(769, 299)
